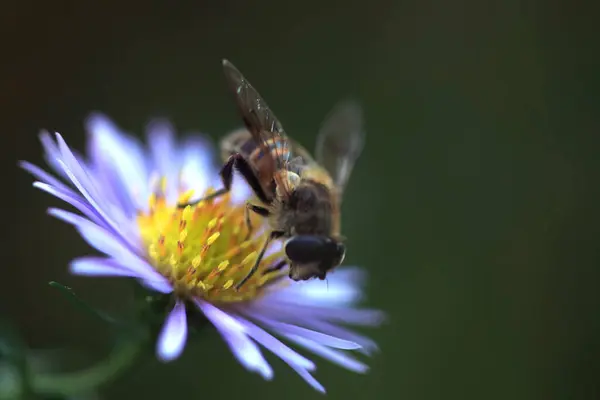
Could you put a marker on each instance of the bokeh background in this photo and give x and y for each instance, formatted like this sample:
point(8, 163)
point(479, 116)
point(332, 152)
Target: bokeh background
point(474, 207)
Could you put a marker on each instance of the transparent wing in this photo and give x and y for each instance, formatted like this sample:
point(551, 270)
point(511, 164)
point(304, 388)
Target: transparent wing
point(263, 125)
point(301, 155)
point(340, 141)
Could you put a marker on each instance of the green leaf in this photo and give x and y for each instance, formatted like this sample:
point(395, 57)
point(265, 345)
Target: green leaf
point(72, 297)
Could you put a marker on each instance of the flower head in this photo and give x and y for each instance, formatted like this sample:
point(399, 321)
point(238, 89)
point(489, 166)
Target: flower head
point(126, 197)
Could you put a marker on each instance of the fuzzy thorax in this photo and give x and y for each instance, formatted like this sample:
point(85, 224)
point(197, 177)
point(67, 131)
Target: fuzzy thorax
point(205, 250)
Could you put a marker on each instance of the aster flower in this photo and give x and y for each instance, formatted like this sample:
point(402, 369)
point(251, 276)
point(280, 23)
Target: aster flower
point(126, 198)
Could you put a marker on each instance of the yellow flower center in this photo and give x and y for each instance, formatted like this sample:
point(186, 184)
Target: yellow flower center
point(206, 249)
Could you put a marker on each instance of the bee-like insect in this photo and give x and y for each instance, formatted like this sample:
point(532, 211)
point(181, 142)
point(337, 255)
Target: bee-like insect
point(300, 197)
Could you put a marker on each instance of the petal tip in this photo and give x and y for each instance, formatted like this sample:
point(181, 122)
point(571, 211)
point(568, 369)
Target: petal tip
point(173, 336)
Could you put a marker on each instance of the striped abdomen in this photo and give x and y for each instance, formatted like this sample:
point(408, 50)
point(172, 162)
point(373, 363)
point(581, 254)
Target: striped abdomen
point(279, 152)
point(243, 143)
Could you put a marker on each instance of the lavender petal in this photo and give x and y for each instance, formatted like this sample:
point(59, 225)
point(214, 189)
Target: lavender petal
point(335, 356)
point(288, 355)
point(106, 242)
point(304, 318)
point(51, 152)
point(173, 336)
point(95, 235)
point(244, 350)
point(158, 284)
point(162, 147)
point(304, 374)
point(281, 307)
point(319, 337)
point(88, 188)
point(45, 177)
point(342, 289)
point(97, 266)
point(76, 171)
point(113, 189)
point(197, 167)
point(123, 229)
point(368, 346)
point(72, 199)
point(119, 156)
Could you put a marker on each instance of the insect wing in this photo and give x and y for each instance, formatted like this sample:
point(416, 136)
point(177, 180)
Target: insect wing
point(264, 127)
point(340, 142)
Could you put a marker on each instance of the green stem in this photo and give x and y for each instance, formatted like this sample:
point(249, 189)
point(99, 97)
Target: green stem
point(72, 383)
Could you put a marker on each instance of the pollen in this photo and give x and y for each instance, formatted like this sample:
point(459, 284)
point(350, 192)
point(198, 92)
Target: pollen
point(206, 249)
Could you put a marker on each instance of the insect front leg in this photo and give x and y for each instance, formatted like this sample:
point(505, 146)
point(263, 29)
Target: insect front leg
point(226, 177)
point(276, 267)
point(263, 212)
point(272, 236)
point(238, 162)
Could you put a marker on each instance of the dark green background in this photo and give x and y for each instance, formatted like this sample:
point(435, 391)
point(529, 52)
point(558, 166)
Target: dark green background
point(475, 206)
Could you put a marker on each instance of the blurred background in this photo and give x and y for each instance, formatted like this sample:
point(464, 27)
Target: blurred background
point(474, 206)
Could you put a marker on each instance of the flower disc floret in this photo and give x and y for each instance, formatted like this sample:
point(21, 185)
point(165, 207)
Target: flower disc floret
point(205, 249)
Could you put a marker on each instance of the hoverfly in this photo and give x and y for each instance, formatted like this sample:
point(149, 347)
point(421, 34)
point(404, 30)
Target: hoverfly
point(300, 197)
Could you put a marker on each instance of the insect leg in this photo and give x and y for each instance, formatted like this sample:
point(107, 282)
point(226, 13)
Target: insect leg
point(238, 162)
point(276, 267)
point(226, 177)
point(273, 235)
point(263, 212)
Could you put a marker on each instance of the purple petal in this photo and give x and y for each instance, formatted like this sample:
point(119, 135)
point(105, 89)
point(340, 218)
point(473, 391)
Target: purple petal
point(245, 351)
point(335, 356)
point(277, 310)
point(315, 336)
point(122, 228)
point(96, 266)
point(341, 289)
point(113, 189)
point(72, 199)
point(298, 363)
point(368, 346)
point(120, 157)
point(162, 146)
point(43, 176)
point(85, 184)
point(304, 374)
point(106, 242)
point(173, 336)
point(304, 318)
point(360, 317)
point(158, 283)
point(95, 235)
point(197, 167)
point(52, 153)
point(288, 355)
point(75, 170)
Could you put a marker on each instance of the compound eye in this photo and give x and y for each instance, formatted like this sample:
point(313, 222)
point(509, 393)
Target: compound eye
point(340, 253)
point(305, 248)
